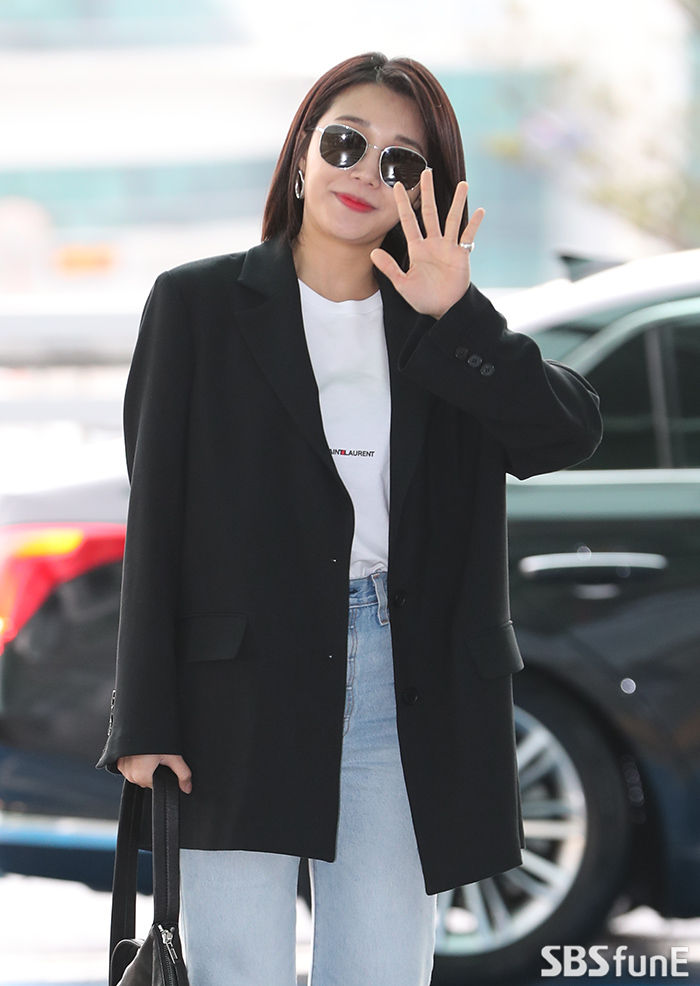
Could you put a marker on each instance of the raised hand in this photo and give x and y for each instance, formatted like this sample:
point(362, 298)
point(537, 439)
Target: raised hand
point(439, 270)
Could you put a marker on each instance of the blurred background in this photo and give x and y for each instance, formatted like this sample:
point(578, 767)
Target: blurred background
point(137, 135)
point(140, 134)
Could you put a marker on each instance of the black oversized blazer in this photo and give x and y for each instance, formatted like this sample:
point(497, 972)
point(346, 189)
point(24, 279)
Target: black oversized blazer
point(234, 608)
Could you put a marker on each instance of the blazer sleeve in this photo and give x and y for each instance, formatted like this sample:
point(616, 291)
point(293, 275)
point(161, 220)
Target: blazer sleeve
point(144, 714)
point(545, 415)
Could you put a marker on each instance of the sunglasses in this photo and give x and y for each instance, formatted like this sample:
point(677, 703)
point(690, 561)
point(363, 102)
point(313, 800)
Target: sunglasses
point(343, 147)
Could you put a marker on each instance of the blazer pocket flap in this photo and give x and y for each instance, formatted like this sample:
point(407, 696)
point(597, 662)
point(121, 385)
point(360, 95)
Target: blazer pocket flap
point(211, 636)
point(495, 652)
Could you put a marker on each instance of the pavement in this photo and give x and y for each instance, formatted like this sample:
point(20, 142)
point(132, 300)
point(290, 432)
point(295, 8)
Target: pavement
point(55, 933)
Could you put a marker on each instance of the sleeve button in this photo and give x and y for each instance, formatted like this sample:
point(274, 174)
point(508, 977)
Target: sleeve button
point(461, 352)
point(475, 360)
point(487, 370)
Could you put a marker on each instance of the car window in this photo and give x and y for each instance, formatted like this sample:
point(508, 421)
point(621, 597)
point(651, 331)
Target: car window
point(650, 400)
point(680, 344)
point(622, 382)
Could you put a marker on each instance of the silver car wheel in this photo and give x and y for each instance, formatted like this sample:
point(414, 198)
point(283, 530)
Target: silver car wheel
point(496, 912)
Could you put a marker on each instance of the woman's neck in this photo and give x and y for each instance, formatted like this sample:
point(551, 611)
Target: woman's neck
point(339, 271)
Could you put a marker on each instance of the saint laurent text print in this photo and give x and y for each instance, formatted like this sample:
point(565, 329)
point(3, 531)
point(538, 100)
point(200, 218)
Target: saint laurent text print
point(350, 451)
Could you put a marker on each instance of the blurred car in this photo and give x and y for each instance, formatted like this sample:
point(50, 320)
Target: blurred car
point(605, 570)
point(605, 589)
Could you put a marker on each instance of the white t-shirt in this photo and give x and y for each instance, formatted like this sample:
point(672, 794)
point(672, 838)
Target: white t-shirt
point(347, 347)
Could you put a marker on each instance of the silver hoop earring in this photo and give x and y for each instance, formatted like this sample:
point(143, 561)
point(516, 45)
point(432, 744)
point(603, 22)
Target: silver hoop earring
point(299, 185)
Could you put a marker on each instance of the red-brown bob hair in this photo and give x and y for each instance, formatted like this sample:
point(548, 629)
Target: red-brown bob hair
point(283, 211)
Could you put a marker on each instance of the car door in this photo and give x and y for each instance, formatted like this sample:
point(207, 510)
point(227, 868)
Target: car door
point(605, 557)
point(605, 573)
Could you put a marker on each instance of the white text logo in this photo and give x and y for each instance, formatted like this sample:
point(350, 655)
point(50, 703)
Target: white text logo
point(575, 960)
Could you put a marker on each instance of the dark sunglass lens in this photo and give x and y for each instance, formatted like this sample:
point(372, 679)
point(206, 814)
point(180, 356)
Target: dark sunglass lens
point(399, 164)
point(342, 146)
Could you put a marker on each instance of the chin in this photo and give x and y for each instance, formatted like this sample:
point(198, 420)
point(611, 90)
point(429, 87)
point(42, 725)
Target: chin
point(356, 233)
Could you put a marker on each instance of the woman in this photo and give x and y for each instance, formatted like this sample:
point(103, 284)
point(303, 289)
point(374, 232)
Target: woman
point(314, 629)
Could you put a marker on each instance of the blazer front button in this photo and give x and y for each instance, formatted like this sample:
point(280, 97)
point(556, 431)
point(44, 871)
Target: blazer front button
point(399, 598)
point(410, 696)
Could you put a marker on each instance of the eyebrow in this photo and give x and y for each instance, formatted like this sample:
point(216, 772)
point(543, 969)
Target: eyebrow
point(365, 123)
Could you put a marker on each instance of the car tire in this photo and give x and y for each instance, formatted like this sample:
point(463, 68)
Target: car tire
point(577, 835)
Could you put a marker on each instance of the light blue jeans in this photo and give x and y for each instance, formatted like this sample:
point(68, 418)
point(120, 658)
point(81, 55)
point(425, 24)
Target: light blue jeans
point(373, 922)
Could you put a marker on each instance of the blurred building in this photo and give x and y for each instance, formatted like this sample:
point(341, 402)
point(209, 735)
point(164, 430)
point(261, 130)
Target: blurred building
point(138, 135)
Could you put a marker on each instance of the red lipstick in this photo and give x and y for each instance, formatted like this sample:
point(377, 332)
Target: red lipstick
point(356, 204)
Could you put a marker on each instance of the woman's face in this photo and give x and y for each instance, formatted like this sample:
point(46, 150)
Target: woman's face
point(353, 204)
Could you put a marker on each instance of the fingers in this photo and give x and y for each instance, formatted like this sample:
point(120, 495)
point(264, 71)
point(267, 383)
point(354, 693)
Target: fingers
point(180, 768)
point(434, 243)
point(384, 262)
point(472, 226)
point(139, 769)
point(428, 207)
point(454, 216)
point(408, 218)
point(430, 215)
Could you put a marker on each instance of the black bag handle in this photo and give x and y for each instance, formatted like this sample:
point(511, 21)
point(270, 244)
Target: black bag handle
point(166, 855)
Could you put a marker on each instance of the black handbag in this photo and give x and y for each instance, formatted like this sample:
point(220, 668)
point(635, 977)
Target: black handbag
point(156, 961)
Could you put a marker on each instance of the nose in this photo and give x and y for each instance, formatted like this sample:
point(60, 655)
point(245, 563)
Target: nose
point(367, 168)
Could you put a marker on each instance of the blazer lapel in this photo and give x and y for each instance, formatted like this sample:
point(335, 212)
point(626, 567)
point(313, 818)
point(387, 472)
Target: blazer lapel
point(274, 331)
